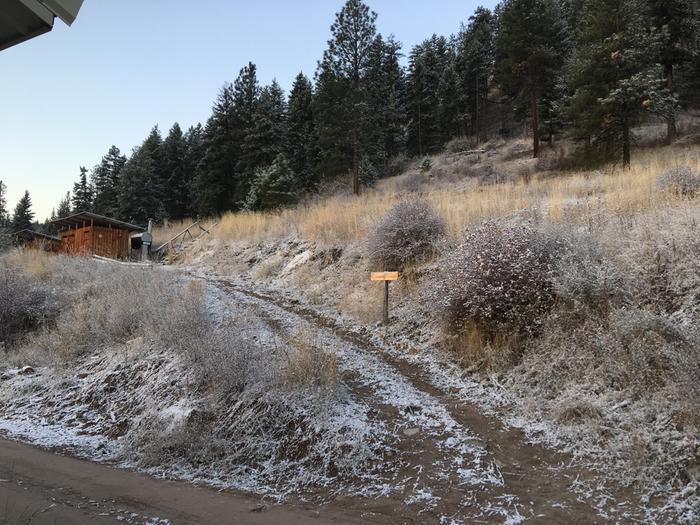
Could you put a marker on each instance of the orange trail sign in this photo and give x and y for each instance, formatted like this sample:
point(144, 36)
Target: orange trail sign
point(386, 277)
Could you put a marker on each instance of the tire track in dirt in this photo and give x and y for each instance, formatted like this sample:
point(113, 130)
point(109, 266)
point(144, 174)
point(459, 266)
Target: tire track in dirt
point(536, 481)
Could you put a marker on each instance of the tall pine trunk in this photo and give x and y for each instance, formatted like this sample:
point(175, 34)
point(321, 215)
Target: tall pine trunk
point(476, 110)
point(626, 146)
point(535, 126)
point(671, 130)
point(355, 164)
point(420, 134)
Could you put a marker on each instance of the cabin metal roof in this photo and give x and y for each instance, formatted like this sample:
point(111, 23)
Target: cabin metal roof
point(85, 218)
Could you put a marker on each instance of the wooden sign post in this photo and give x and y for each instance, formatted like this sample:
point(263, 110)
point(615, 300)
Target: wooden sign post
point(387, 277)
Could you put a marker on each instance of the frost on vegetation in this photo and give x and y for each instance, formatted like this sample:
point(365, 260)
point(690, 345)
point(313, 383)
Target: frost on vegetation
point(158, 375)
point(681, 180)
point(614, 372)
point(499, 280)
point(23, 305)
point(410, 232)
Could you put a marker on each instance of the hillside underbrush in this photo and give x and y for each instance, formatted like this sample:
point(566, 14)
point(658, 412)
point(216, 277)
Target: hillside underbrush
point(171, 377)
point(575, 294)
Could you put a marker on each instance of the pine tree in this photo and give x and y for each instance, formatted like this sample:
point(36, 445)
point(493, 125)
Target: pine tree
point(613, 76)
point(137, 203)
point(383, 134)
point(300, 133)
point(177, 174)
point(157, 184)
point(82, 193)
point(216, 172)
point(64, 207)
point(427, 62)
point(344, 66)
point(246, 92)
point(23, 217)
point(332, 114)
point(266, 138)
point(105, 182)
point(674, 19)
point(449, 111)
point(194, 140)
point(475, 62)
point(531, 46)
point(4, 216)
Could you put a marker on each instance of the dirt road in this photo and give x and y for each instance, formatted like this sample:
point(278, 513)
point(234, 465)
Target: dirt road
point(515, 481)
point(39, 487)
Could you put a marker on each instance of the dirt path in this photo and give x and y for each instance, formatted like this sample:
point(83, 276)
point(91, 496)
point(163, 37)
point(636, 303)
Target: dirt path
point(515, 481)
point(39, 487)
point(447, 463)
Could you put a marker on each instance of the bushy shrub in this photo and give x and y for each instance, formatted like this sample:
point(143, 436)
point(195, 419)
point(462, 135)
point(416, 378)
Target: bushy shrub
point(426, 164)
point(681, 180)
point(408, 233)
point(23, 305)
point(499, 279)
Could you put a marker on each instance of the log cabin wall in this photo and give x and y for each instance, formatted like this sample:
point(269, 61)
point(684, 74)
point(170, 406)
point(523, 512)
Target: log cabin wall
point(97, 240)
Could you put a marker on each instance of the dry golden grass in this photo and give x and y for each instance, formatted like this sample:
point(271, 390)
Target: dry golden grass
point(556, 197)
point(308, 365)
point(36, 263)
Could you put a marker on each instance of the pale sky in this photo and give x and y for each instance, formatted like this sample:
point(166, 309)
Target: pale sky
point(126, 65)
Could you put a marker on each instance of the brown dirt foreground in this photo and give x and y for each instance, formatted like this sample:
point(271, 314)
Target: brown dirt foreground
point(38, 487)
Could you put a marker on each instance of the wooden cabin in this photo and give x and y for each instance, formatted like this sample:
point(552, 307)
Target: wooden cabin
point(31, 239)
point(87, 233)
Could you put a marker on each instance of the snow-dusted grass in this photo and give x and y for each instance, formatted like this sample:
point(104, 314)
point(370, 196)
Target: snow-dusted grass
point(150, 370)
point(611, 375)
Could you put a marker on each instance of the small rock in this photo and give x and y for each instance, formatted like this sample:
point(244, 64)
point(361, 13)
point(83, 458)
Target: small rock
point(411, 432)
point(26, 370)
point(83, 375)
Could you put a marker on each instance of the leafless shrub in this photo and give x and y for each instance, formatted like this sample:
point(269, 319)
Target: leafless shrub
point(460, 144)
point(23, 305)
point(499, 280)
point(408, 233)
point(412, 182)
point(398, 165)
point(682, 180)
point(489, 174)
point(230, 360)
point(587, 282)
point(553, 158)
point(629, 350)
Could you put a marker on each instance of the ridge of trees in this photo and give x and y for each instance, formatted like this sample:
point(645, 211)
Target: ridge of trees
point(586, 69)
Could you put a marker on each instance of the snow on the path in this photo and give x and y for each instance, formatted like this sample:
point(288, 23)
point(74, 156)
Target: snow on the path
point(462, 452)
